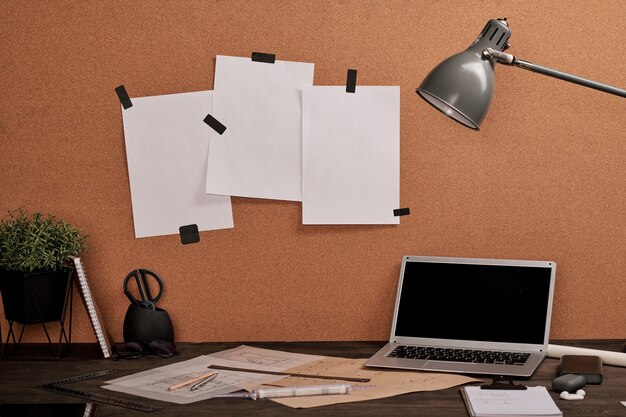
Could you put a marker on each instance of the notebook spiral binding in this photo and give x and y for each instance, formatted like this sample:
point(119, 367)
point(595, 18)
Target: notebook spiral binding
point(102, 336)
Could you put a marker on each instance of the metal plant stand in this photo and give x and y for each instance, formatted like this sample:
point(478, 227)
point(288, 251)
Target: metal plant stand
point(14, 345)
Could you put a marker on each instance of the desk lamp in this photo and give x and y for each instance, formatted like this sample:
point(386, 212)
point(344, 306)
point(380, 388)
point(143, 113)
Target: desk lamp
point(461, 87)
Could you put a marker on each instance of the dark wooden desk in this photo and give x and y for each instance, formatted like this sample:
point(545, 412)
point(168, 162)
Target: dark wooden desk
point(18, 377)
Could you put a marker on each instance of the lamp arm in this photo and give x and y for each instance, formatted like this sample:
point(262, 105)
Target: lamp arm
point(509, 59)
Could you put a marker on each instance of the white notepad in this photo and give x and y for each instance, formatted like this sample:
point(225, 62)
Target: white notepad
point(534, 401)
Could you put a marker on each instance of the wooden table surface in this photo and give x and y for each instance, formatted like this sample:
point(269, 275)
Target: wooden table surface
point(18, 377)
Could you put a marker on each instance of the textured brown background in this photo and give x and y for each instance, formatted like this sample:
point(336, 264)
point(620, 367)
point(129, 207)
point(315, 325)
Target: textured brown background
point(545, 177)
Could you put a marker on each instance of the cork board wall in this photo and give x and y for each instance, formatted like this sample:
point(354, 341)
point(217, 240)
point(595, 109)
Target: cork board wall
point(544, 178)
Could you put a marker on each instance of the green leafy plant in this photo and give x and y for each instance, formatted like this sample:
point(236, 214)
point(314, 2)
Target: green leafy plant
point(37, 242)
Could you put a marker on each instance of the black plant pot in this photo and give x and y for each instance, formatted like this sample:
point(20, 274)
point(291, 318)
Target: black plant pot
point(33, 297)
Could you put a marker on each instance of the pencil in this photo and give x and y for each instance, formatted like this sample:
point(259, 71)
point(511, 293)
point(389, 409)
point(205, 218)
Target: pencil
point(202, 383)
point(191, 381)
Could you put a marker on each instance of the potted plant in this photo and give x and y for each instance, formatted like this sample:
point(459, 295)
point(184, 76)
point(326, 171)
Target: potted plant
point(35, 253)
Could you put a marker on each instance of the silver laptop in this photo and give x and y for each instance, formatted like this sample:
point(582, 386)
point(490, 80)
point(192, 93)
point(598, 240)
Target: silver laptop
point(475, 316)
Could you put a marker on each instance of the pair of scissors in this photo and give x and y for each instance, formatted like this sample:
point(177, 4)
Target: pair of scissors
point(147, 300)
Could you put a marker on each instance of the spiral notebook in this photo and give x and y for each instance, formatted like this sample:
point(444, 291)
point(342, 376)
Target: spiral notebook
point(102, 336)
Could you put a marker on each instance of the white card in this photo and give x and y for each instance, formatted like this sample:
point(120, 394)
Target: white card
point(260, 153)
point(166, 149)
point(351, 155)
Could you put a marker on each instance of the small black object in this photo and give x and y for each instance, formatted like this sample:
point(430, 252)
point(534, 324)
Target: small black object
point(123, 96)
point(402, 212)
point(351, 81)
point(141, 278)
point(134, 350)
point(589, 366)
point(503, 382)
point(261, 57)
point(189, 234)
point(215, 124)
point(568, 382)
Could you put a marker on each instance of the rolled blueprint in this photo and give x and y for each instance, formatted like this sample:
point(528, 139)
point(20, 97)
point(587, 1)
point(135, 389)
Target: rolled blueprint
point(608, 357)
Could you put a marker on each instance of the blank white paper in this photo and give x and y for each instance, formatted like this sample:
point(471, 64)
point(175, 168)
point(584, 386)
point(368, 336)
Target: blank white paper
point(166, 149)
point(260, 153)
point(350, 155)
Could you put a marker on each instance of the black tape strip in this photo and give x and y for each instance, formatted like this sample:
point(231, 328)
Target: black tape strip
point(189, 234)
point(402, 212)
point(123, 96)
point(215, 124)
point(351, 81)
point(261, 57)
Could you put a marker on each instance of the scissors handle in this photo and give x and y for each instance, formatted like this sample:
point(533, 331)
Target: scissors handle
point(140, 276)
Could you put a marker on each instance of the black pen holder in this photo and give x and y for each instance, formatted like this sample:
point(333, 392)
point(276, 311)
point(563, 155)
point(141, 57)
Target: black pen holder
point(144, 325)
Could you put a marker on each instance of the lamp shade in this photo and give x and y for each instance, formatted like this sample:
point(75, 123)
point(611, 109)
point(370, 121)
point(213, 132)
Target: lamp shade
point(461, 86)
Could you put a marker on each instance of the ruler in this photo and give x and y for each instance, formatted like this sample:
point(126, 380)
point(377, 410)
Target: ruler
point(60, 388)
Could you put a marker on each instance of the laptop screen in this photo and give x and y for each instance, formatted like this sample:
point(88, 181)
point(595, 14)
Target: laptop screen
point(474, 301)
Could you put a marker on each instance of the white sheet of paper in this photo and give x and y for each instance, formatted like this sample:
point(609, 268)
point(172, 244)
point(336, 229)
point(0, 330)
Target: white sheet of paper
point(350, 155)
point(166, 149)
point(154, 383)
point(260, 153)
point(197, 361)
point(260, 359)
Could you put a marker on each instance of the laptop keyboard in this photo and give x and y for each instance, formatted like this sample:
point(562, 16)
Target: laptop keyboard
point(459, 355)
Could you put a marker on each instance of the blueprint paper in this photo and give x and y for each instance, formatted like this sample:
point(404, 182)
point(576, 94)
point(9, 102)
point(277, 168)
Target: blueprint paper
point(154, 383)
point(260, 359)
point(166, 150)
point(383, 382)
point(260, 153)
point(350, 155)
